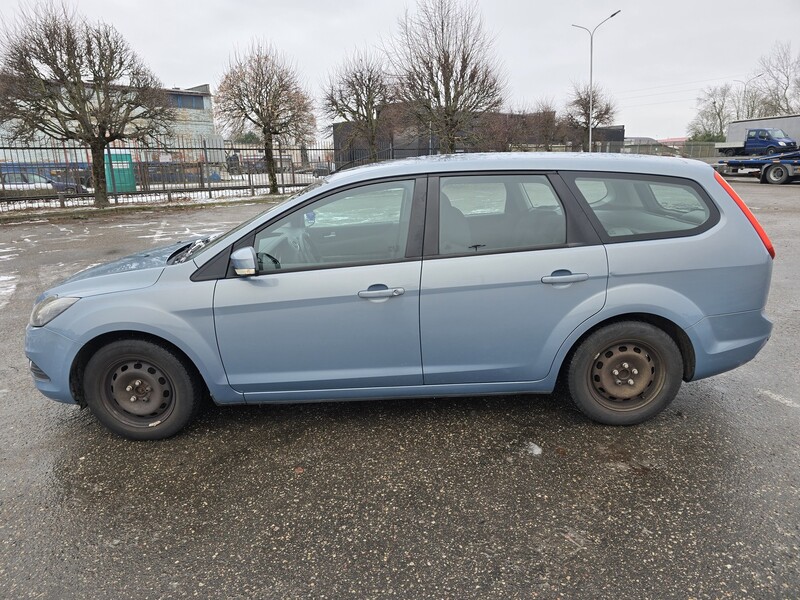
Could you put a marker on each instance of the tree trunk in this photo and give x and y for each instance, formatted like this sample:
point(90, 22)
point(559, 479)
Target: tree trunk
point(269, 159)
point(99, 175)
point(447, 142)
point(372, 142)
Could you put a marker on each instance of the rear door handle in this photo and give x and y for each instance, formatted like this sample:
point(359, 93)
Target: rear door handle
point(565, 277)
point(381, 293)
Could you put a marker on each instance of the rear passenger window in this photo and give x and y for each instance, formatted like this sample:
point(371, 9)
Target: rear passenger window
point(491, 213)
point(646, 207)
point(474, 196)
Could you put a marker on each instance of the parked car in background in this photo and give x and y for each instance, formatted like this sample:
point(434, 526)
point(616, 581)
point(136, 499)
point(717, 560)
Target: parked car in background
point(25, 183)
point(320, 169)
point(441, 276)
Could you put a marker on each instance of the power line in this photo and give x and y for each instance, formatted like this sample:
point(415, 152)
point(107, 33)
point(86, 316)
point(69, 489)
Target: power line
point(656, 103)
point(656, 87)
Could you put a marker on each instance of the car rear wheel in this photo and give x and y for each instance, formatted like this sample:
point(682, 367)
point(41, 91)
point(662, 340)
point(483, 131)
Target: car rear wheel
point(625, 373)
point(141, 390)
point(777, 174)
point(730, 152)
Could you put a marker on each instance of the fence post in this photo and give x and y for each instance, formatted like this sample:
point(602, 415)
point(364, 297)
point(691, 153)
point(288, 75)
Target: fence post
point(280, 162)
point(205, 162)
point(111, 171)
point(250, 181)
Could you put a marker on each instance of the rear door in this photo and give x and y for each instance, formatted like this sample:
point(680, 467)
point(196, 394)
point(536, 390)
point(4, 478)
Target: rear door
point(510, 271)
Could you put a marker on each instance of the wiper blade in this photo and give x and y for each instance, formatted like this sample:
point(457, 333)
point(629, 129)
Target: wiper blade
point(184, 254)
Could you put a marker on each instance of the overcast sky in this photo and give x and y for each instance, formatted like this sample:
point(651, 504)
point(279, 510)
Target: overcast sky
point(653, 58)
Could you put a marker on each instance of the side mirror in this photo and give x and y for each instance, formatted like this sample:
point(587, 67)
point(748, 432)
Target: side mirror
point(244, 261)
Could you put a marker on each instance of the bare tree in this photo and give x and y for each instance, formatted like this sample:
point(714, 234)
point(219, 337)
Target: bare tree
point(501, 131)
point(748, 100)
point(715, 110)
point(545, 123)
point(780, 84)
point(261, 91)
point(577, 109)
point(359, 91)
point(446, 74)
point(72, 80)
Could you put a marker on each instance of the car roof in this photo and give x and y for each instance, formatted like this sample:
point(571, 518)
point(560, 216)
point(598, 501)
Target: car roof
point(516, 161)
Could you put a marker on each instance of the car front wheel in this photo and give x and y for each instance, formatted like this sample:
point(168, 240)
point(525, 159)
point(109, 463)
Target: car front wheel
point(140, 390)
point(625, 373)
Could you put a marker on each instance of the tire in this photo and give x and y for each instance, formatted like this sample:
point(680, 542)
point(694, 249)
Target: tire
point(146, 372)
point(730, 152)
point(604, 365)
point(771, 149)
point(777, 174)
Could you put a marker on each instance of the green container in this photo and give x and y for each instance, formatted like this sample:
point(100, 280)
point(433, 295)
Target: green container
point(120, 176)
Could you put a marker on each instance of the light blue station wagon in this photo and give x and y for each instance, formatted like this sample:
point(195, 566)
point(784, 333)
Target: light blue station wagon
point(448, 275)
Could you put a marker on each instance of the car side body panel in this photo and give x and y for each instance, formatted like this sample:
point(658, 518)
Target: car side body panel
point(469, 324)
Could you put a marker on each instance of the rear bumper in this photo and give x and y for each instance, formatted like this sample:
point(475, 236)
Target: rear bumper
point(724, 342)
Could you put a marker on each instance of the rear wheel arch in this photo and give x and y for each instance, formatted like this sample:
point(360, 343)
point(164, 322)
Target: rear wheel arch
point(672, 329)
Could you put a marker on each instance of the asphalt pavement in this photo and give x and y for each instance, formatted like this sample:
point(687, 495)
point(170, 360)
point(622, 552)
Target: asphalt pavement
point(513, 497)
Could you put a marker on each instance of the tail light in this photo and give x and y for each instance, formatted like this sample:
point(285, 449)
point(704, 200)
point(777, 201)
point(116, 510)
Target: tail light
point(747, 213)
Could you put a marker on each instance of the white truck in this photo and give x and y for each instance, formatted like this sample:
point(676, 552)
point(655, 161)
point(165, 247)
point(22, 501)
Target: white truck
point(769, 135)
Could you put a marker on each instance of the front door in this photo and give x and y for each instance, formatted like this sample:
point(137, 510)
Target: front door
point(335, 304)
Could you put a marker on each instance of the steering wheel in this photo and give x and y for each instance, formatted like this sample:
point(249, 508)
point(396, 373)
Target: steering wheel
point(262, 255)
point(310, 247)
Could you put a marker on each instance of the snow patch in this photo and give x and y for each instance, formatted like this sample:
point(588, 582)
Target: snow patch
point(778, 398)
point(533, 449)
point(8, 285)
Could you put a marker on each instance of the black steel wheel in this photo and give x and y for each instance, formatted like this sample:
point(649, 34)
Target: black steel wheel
point(730, 152)
point(777, 174)
point(625, 373)
point(771, 150)
point(140, 390)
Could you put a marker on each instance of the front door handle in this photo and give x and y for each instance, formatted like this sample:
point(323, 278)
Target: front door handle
point(383, 292)
point(559, 277)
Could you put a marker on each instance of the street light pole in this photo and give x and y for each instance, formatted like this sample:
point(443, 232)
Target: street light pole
point(744, 92)
point(591, 68)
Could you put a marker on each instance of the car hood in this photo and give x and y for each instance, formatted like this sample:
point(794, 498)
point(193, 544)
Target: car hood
point(132, 272)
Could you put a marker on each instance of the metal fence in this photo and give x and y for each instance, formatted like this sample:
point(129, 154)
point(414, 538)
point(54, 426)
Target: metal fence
point(59, 175)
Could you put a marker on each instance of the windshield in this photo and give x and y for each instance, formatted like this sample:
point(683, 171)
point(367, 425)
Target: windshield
point(203, 245)
point(777, 133)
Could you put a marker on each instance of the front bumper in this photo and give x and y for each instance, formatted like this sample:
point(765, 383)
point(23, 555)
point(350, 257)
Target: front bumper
point(51, 356)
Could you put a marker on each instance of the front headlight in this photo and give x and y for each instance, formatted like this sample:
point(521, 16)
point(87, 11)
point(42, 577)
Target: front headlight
point(49, 308)
point(782, 143)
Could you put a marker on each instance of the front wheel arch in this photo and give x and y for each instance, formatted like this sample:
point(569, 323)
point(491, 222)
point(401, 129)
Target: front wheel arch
point(88, 350)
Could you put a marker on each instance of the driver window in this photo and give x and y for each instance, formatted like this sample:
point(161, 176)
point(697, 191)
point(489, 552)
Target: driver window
point(367, 224)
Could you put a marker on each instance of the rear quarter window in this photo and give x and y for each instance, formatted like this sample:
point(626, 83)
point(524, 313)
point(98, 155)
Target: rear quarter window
point(627, 207)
